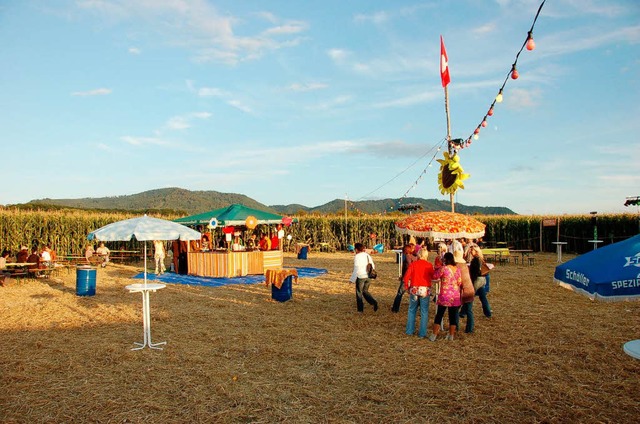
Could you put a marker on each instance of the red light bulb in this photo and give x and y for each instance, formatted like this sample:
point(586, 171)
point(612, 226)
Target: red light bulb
point(531, 44)
point(514, 74)
point(477, 131)
point(490, 113)
point(484, 123)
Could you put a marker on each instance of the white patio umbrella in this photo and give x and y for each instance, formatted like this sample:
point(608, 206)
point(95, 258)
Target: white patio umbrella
point(144, 228)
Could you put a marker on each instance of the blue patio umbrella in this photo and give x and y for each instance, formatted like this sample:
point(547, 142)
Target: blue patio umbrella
point(610, 273)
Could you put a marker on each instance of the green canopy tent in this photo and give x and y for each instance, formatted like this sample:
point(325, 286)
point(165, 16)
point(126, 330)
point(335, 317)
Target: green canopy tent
point(231, 215)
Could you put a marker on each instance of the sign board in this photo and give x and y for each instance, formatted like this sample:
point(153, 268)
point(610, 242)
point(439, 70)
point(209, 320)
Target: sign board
point(549, 222)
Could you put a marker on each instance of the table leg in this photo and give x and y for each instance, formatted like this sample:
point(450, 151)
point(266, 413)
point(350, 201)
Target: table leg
point(151, 345)
point(146, 325)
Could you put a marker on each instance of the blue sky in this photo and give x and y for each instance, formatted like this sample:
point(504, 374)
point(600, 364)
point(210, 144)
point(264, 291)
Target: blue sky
point(309, 101)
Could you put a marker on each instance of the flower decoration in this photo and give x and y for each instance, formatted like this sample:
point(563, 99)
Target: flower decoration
point(451, 175)
point(251, 222)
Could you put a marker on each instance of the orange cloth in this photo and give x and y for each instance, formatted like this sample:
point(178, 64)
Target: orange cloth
point(277, 276)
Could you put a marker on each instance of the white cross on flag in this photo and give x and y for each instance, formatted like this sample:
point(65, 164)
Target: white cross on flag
point(444, 64)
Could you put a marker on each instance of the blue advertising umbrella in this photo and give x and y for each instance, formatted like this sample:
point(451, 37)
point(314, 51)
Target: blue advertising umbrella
point(610, 273)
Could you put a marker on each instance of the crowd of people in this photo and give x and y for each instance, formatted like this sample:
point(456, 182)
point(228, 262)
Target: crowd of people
point(37, 258)
point(457, 275)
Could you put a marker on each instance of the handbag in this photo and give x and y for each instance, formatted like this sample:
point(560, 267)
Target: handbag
point(479, 282)
point(484, 269)
point(420, 291)
point(371, 272)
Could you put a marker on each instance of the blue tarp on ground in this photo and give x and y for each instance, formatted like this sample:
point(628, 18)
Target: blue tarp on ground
point(609, 273)
point(193, 280)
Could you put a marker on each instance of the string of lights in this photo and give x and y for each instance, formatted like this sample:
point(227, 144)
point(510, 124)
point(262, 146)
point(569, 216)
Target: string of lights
point(529, 44)
point(424, 171)
point(438, 147)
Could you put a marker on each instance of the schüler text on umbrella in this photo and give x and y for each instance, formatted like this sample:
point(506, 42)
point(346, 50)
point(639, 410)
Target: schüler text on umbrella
point(578, 277)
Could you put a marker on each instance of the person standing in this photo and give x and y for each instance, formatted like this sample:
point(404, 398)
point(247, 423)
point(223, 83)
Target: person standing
point(408, 257)
point(475, 271)
point(159, 255)
point(360, 277)
point(449, 297)
point(417, 281)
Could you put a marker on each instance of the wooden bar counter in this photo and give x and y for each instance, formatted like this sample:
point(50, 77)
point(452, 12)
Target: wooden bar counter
point(233, 264)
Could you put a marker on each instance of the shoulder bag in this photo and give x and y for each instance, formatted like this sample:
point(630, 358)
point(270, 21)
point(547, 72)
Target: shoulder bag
point(371, 272)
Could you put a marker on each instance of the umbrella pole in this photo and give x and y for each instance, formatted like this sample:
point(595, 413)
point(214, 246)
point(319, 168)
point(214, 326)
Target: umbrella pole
point(145, 263)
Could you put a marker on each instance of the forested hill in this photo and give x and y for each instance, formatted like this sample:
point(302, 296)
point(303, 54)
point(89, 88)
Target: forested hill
point(186, 202)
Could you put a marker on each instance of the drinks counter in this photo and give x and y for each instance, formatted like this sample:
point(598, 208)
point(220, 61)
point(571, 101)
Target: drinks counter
point(233, 264)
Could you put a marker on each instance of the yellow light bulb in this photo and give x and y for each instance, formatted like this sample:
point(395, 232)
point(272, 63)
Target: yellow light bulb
point(499, 97)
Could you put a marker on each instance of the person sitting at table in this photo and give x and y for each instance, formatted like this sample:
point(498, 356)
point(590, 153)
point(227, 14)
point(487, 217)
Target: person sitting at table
point(88, 252)
point(34, 258)
point(103, 251)
point(22, 255)
point(45, 256)
point(3, 260)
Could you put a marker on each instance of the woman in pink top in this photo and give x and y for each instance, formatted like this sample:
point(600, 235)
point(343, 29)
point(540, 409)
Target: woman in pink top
point(449, 297)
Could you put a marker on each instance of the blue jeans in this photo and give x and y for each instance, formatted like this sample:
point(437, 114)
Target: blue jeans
point(414, 301)
point(398, 299)
point(467, 310)
point(362, 291)
point(482, 294)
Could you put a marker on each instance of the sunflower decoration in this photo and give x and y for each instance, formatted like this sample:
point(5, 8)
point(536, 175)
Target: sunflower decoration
point(451, 174)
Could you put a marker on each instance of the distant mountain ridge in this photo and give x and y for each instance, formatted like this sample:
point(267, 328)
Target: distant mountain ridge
point(187, 202)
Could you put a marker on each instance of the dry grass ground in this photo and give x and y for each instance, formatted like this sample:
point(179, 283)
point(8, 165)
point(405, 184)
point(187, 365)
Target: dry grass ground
point(235, 355)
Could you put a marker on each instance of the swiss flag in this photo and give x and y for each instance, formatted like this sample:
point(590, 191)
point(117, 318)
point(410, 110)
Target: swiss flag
point(444, 64)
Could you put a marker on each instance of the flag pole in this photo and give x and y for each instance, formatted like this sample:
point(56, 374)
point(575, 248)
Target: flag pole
point(446, 79)
point(449, 144)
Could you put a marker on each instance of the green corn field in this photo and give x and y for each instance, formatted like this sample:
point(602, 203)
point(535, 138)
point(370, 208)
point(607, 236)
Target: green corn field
point(66, 230)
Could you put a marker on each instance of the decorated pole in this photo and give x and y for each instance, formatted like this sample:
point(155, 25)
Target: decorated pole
point(446, 79)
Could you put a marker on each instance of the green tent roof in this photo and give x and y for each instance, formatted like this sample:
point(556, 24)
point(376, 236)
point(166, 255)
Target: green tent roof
point(231, 215)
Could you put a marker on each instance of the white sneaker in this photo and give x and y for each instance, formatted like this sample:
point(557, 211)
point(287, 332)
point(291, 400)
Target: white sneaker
point(449, 337)
point(432, 338)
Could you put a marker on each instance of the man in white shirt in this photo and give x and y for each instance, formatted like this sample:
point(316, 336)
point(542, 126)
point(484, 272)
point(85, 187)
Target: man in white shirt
point(360, 277)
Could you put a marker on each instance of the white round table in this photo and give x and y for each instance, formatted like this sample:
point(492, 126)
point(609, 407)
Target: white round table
point(145, 289)
point(632, 348)
point(559, 245)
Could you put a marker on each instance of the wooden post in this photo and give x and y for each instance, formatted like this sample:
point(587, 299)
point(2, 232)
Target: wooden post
point(449, 144)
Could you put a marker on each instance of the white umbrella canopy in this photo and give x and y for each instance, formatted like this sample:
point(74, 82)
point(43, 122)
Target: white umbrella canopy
point(144, 228)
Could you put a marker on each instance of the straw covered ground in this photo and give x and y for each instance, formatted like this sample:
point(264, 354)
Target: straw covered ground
point(235, 355)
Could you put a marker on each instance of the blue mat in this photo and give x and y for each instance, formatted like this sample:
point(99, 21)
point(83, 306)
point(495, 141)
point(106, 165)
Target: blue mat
point(193, 280)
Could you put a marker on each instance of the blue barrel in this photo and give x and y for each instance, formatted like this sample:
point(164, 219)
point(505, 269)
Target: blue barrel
point(283, 293)
point(85, 280)
point(302, 254)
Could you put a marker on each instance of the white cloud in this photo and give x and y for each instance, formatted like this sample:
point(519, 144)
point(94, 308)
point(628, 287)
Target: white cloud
point(375, 18)
point(307, 86)
point(141, 141)
point(211, 92)
point(338, 55)
point(197, 26)
point(96, 92)
point(178, 123)
point(134, 50)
